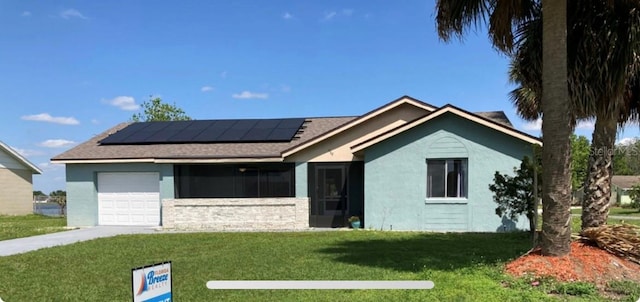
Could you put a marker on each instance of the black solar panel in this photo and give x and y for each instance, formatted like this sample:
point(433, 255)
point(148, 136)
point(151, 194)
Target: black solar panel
point(206, 131)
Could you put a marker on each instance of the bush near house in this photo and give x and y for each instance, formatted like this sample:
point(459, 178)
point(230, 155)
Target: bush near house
point(634, 194)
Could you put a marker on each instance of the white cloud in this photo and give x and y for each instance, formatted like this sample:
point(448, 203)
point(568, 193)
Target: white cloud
point(28, 152)
point(223, 74)
point(72, 13)
point(587, 125)
point(206, 88)
point(26, 14)
point(95, 121)
point(537, 125)
point(285, 88)
point(45, 117)
point(627, 141)
point(127, 103)
point(287, 16)
point(533, 126)
point(56, 143)
point(250, 95)
point(345, 12)
point(329, 15)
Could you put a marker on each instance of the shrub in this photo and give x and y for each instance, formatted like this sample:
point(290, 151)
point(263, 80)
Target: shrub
point(634, 194)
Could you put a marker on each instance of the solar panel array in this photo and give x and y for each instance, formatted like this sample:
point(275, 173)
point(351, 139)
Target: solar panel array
point(207, 131)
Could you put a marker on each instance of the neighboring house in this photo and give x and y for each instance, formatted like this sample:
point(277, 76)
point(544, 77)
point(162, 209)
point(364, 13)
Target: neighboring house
point(620, 186)
point(407, 165)
point(16, 191)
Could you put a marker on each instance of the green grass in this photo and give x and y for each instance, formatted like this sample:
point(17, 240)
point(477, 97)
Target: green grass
point(576, 223)
point(29, 225)
point(464, 267)
point(616, 211)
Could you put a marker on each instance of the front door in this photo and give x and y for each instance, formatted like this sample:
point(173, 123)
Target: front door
point(329, 198)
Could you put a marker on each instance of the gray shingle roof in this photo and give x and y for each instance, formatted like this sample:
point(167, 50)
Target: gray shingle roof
point(496, 116)
point(625, 181)
point(92, 150)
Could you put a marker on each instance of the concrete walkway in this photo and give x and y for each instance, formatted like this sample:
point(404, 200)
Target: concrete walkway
point(27, 244)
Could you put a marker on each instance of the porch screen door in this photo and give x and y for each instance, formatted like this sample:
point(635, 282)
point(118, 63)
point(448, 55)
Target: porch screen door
point(332, 190)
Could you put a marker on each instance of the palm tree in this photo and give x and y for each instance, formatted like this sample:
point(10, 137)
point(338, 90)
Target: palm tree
point(616, 32)
point(596, 58)
point(454, 16)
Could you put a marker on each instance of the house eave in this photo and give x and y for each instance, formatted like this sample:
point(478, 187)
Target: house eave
point(217, 160)
point(34, 169)
point(102, 161)
point(169, 160)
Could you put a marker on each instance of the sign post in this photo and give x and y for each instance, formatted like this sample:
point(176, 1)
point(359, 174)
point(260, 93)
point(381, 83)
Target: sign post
point(152, 283)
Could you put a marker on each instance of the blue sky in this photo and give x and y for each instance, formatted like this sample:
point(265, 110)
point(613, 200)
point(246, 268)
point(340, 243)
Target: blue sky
point(72, 69)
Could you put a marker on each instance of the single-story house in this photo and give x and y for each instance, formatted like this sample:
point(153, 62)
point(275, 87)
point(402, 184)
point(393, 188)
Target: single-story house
point(16, 177)
point(620, 187)
point(407, 165)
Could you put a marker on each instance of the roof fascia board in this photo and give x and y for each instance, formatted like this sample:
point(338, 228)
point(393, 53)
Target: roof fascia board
point(363, 118)
point(218, 160)
point(102, 161)
point(169, 160)
point(451, 109)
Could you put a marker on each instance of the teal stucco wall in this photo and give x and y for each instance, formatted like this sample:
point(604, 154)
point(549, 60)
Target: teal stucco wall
point(301, 180)
point(396, 177)
point(82, 193)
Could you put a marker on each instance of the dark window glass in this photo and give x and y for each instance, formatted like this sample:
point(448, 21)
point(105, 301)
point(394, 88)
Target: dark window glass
point(435, 178)
point(447, 178)
point(234, 181)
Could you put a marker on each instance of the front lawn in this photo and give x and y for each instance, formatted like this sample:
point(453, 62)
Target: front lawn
point(576, 223)
point(29, 225)
point(464, 267)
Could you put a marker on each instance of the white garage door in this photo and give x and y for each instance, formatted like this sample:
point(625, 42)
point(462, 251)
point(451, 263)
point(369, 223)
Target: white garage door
point(129, 199)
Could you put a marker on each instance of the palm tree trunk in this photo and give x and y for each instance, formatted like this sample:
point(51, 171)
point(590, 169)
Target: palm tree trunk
point(597, 186)
point(557, 127)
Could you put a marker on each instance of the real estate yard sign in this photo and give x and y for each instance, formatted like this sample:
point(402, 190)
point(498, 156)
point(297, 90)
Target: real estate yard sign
point(152, 283)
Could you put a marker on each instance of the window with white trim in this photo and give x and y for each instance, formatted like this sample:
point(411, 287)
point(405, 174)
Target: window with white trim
point(447, 178)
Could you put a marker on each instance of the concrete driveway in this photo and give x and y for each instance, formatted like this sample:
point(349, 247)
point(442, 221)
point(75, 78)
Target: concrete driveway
point(27, 244)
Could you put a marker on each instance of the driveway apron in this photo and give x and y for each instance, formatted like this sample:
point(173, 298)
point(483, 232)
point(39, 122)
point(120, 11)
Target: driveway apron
point(27, 244)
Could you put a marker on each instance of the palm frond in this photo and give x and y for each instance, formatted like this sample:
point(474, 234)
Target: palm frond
point(604, 43)
point(453, 17)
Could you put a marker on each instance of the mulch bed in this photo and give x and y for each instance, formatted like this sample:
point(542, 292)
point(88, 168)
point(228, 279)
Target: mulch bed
point(585, 263)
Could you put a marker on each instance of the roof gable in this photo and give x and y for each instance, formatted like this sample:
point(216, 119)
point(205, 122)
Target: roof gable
point(419, 105)
point(19, 158)
point(484, 121)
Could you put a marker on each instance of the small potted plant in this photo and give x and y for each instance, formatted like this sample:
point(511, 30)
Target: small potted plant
point(354, 221)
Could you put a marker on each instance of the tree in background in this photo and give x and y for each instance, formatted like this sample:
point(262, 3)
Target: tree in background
point(156, 110)
point(515, 194)
point(626, 158)
point(579, 160)
point(38, 193)
point(60, 197)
